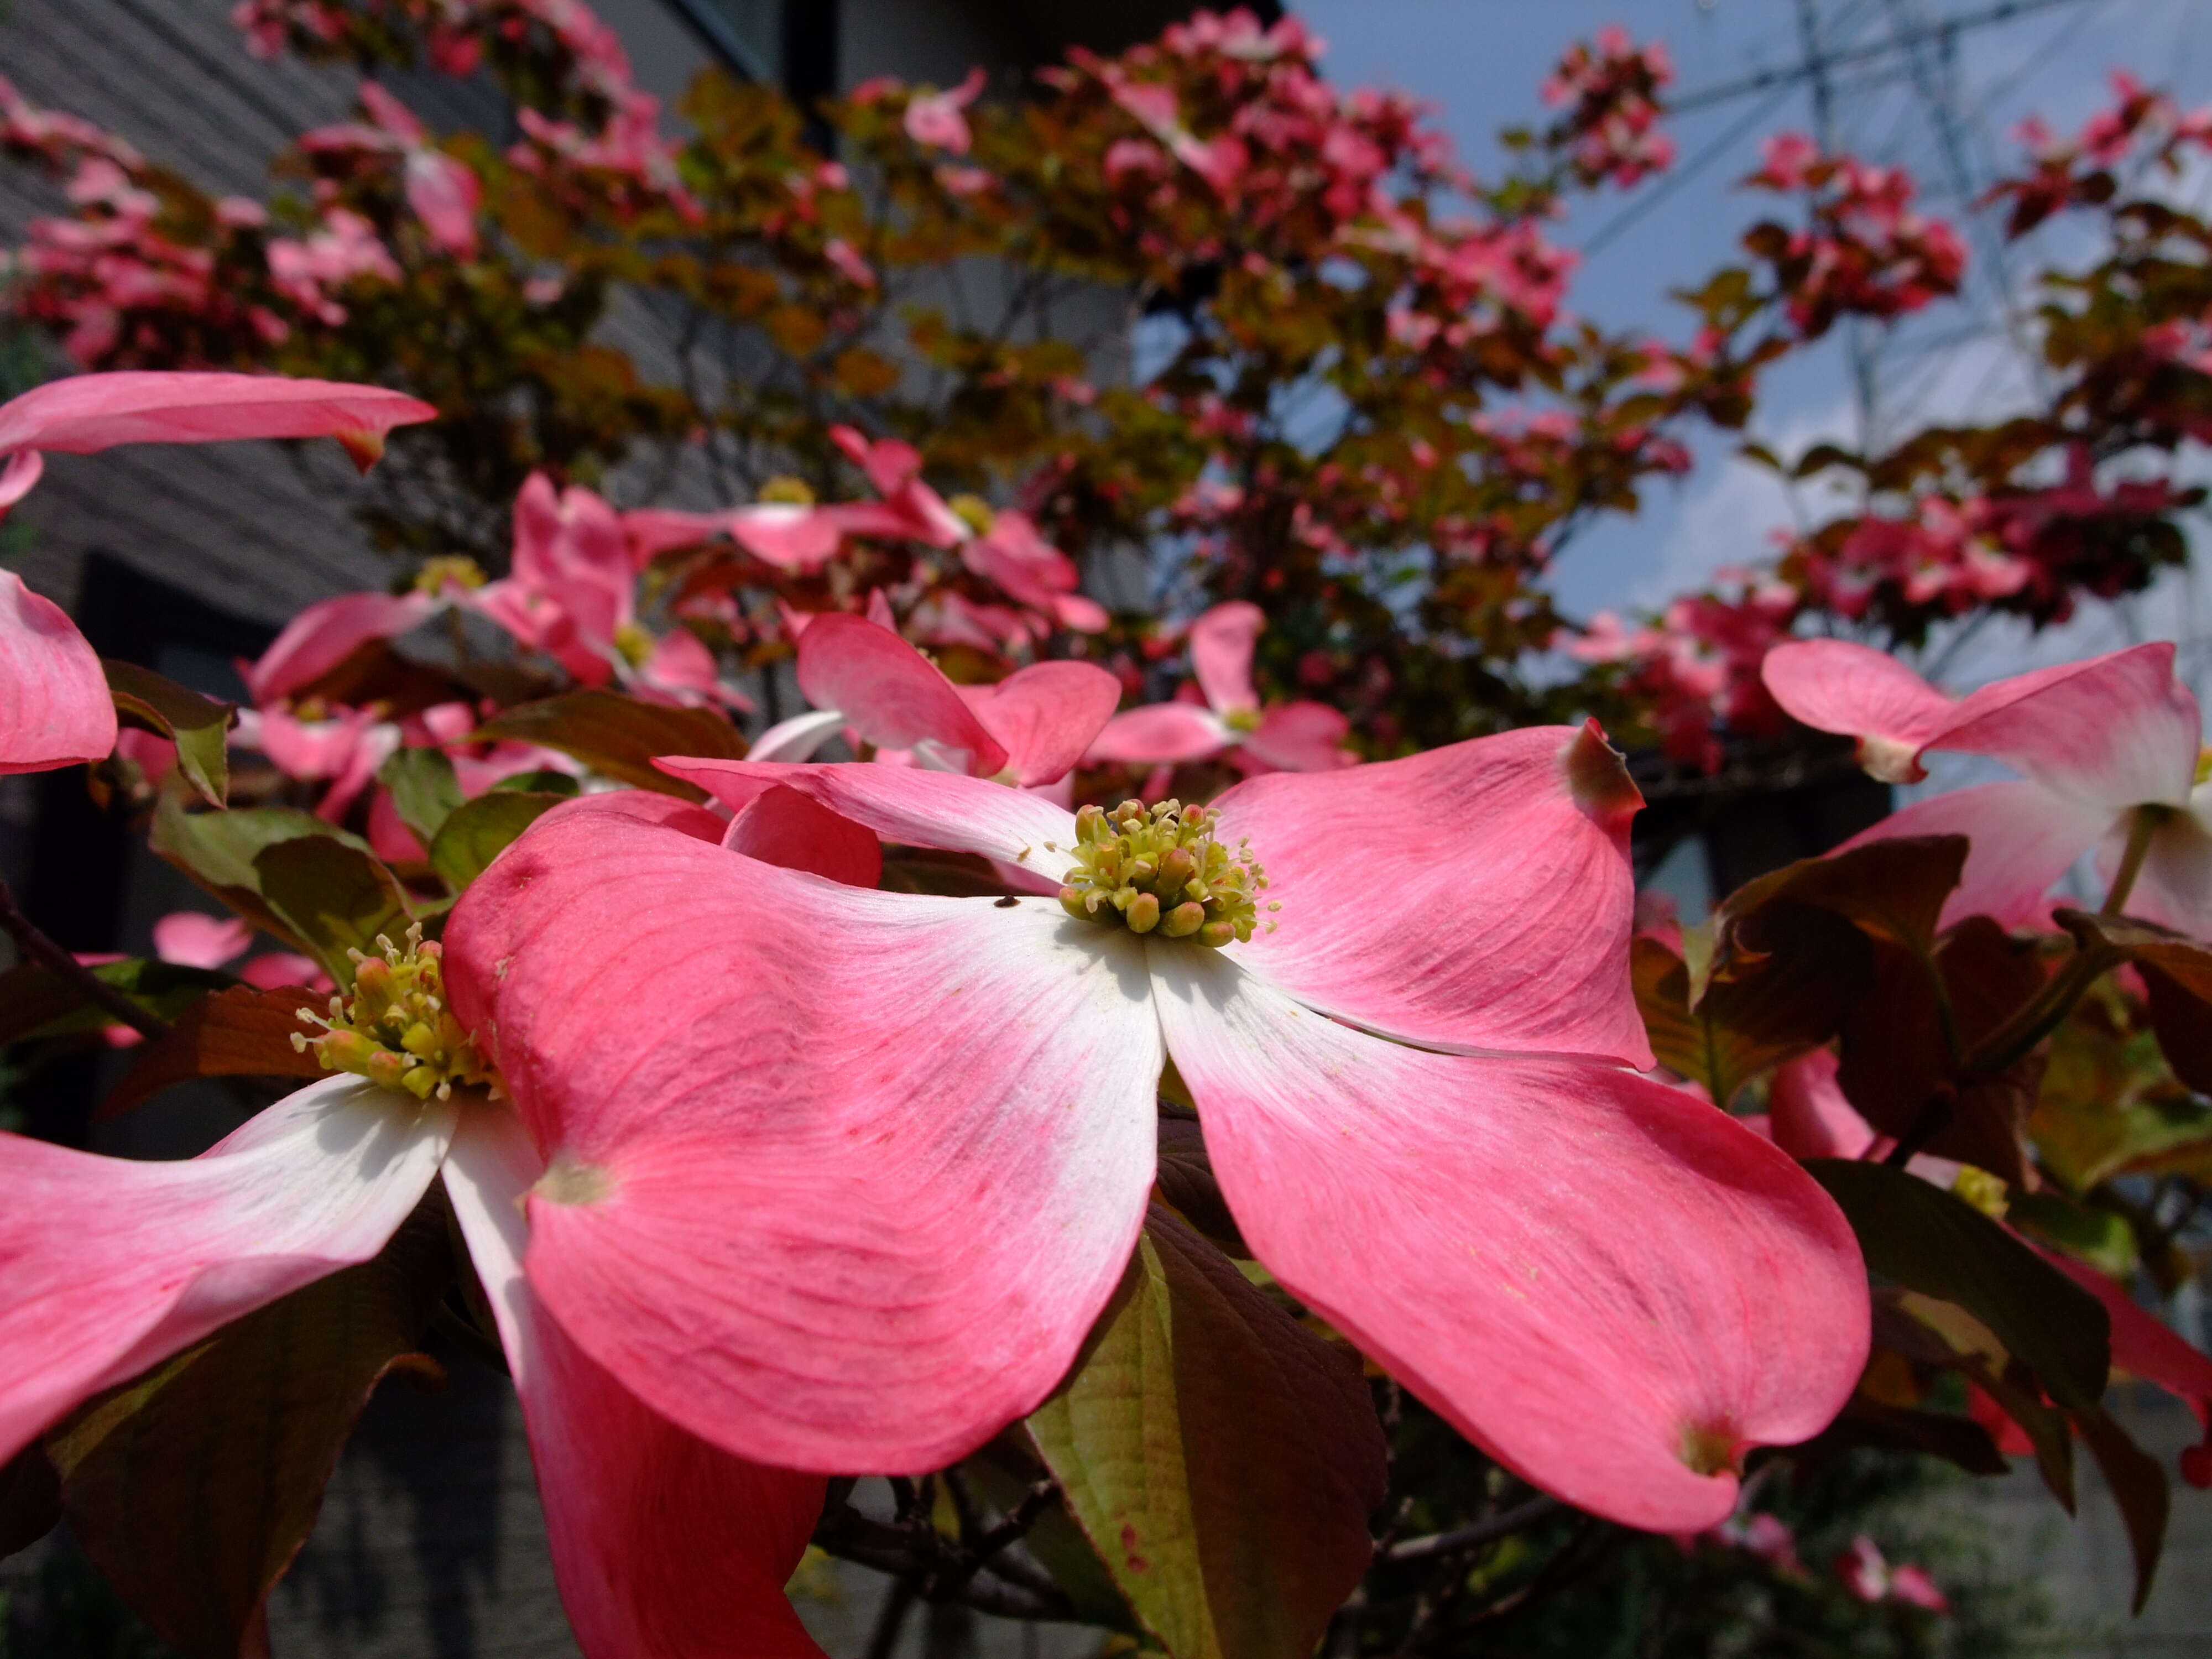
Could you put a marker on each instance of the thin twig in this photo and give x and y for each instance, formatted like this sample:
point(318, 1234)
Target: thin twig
point(1476, 1533)
point(892, 1620)
point(36, 947)
point(1026, 1514)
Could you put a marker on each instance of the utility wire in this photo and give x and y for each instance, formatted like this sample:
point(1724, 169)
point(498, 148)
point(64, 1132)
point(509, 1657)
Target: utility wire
point(1805, 68)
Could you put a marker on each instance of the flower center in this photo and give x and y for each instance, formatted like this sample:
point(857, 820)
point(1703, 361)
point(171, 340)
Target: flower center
point(634, 644)
point(461, 571)
point(395, 1030)
point(1242, 720)
point(783, 490)
point(1160, 869)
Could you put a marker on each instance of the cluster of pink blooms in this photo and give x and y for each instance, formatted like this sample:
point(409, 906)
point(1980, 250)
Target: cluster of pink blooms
point(117, 277)
point(1231, 114)
point(1402, 1006)
point(1866, 252)
point(1696, 665)
point(2029, 550)
point(2078, 171)
point(1611, 131)
point(133, 277)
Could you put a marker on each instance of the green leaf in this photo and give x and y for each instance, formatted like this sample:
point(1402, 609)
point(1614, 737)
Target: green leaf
point(217, 850)
point(2099, 1238)
point(1890, 890)
point(1745, 1025)
point(239, 1032)
point(1896, 1057)
point(2138, 1486)
point(2177, 970)
point(480, 830)
point(617, 737)
point(1934, 1242)
point(1222, 1459)
point(1959, 1441)
point(1184, 1175)
point(545, 781)
point(197, 725)
point(424, 790)
point(36, 1004)
point(193, 1487)
point(30, 1500)
point(334, 897)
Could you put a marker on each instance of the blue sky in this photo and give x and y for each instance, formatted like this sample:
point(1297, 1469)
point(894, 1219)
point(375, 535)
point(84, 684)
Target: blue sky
point(1478, 63)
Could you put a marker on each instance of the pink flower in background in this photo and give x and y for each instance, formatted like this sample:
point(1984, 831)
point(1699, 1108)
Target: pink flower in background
point(1029, 728)
point(54, 705)
point(196, 940)
point(443, 190)
point(1869, 1576)
point(1283, 737)
point(938, 119)
point(850, 1178)
point(2103, 745)
point(55, 709)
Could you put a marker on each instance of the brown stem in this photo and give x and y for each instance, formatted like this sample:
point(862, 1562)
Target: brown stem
point(1934, 1118)
point(36, 947)
point(1476, 1533)
point(2143, 824)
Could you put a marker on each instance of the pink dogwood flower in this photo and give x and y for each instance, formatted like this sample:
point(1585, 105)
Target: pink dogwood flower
point(939, 119)
point(571, 594)
point(109, 1265)
point(841, 1178)
point(444, 191)
point(1867, 1575)
point(196, 940)
point(54, 704)
point(1028, 729)
point(1283, 737)
point(2109, 750)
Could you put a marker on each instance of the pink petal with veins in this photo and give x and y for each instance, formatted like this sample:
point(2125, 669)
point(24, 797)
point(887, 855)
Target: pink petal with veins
point(86, 413)
point(783, 827)
point(1221, 644)
point(2115, 732)
point(2023, 837)
point(1835, 686)
point(1162, 734)
point(19, 474)
point(787, 536)
point(110, 1264)
point(1301, 737)
point(846, 1184)
point(910, 806)
point(55, 707)
point(444, 193)
point(196, 940)
point(1611, 1287)
point(329, 631)
point(1044, 716)
point(889, 692)
point(1475, 897)
point(663, 1544)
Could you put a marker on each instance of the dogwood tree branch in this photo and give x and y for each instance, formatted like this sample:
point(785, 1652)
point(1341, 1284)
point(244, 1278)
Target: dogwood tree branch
point(38, 948)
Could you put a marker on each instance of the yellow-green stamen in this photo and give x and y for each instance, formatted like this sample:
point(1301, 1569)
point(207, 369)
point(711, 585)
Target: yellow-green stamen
point(454, 569)
point(1160, 870)
point(784, 490)
point(395, 1029)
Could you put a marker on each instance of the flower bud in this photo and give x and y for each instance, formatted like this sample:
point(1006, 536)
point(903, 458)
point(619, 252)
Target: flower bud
point(1183, 920)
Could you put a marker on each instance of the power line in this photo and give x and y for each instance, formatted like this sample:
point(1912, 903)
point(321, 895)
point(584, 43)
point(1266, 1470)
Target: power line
point(1811, 65)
